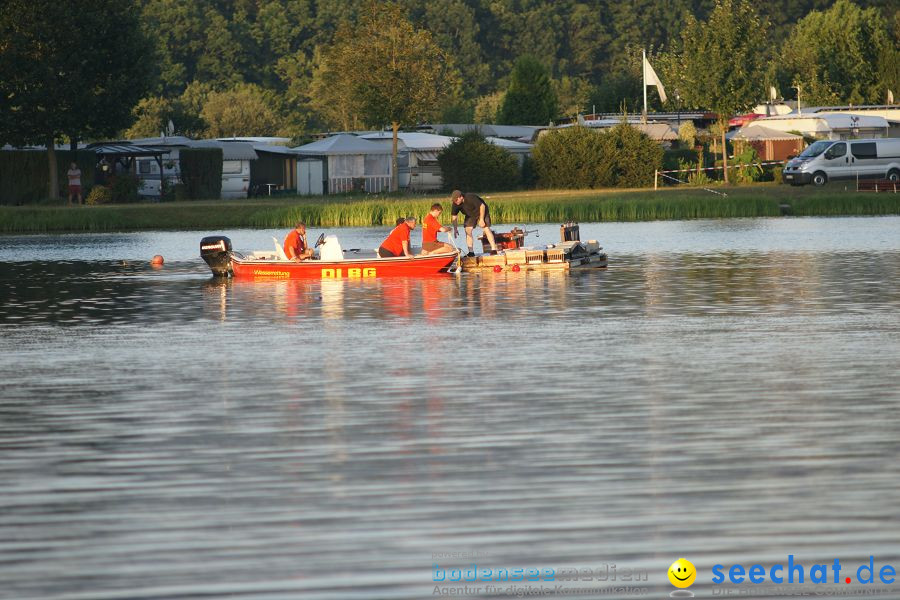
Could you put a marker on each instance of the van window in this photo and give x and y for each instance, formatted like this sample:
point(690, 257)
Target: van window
point(815, 149)
point(836, 151)
point(864, 150)
point(231, 166)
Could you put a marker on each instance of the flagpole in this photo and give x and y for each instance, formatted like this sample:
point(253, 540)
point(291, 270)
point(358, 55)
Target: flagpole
point(644, 80)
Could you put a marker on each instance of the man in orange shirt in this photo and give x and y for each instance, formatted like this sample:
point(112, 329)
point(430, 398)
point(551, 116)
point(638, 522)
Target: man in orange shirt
point(397, 243)
point(430, 228)
point(295, 246)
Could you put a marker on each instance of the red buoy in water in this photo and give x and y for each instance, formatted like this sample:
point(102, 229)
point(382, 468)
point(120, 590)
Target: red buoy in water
point(497, 268)
point(516, 268)
point(157, 261)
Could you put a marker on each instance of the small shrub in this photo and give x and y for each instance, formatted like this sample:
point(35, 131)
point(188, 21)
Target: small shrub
point(472, 163)
point(747, 169)
point(100, 194)
point(687, 134)
point(675, 159)
point(124, 189)
point(776, 173)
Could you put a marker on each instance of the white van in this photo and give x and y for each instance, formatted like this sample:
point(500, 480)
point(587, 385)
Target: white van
point(824, 160)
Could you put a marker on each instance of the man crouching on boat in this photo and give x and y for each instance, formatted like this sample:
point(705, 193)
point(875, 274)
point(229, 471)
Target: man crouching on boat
point(295, 246)
point(397, 243)
point(476, 212)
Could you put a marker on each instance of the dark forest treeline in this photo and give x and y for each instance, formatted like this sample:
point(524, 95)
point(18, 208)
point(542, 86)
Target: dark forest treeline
point(267, 51)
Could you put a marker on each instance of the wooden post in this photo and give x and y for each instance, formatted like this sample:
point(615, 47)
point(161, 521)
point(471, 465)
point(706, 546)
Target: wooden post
point(655, 178)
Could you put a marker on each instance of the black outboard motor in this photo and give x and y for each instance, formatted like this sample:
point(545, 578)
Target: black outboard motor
point(216, 251)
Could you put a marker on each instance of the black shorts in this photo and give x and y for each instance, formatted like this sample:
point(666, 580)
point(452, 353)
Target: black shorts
point(473, 221)
point(385, 253)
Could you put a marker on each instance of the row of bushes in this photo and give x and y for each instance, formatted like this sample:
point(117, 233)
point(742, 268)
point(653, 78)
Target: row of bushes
point(583, 158)
point(571, 158)
point(24, 176)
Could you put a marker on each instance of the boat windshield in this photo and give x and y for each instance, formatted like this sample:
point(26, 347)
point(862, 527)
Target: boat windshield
point(816, 149)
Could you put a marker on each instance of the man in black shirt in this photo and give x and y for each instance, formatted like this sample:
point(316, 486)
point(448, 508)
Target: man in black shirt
point(477, 214)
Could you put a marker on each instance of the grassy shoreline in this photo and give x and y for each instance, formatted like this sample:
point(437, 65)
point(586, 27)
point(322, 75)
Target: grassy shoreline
point(536, 206)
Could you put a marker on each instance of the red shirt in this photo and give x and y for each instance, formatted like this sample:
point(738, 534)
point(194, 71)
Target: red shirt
point(394, 241)
point(430, 228)
point(293, 240)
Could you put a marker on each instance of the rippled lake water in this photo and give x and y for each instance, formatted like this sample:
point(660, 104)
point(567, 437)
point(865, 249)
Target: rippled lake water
point(727, 391)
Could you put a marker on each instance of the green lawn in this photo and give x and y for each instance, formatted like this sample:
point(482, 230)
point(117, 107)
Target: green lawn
point(535, 206)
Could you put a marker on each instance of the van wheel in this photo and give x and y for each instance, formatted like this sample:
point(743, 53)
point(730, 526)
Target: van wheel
point(894, 175)
point(819, 178)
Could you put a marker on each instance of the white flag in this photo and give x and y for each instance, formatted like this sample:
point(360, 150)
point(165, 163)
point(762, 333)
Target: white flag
point(650, 78)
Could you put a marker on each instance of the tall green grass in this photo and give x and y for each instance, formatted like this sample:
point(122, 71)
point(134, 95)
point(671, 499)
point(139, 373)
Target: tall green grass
point(518, 207)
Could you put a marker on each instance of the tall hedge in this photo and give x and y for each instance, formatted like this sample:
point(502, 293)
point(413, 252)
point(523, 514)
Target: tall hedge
point(571, 158)
point(580, 157)
point(470, 162)
point(23, 174)
point(201, 172)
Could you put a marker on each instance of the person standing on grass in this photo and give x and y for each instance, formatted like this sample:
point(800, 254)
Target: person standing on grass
point(397, 243)
point(74, 174)
point(477, 214)
point(430, 228)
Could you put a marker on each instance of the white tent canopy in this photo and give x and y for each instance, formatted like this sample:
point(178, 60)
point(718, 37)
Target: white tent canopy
point(341, 144)
point(352, 161)
point(828, 125)
point(760, 133)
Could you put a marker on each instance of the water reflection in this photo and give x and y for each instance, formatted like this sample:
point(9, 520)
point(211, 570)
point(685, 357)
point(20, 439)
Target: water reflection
point(97, 293)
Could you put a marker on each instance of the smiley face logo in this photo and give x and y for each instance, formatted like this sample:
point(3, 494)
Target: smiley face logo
point(682, 573)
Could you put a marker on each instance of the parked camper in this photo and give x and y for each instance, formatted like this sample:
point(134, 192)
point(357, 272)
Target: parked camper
point(845, 159)
point(235, 178)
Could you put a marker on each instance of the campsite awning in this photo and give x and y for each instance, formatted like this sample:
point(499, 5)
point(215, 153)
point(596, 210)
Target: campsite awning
point(758, 133)
point(126, 150)
point(341, 144)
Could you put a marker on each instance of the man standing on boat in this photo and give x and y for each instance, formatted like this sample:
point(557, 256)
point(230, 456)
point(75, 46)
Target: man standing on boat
point(397, 243)
point(431, 227)
point(295, 246)
point(477, 214)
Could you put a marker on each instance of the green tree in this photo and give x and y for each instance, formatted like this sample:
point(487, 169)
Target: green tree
point(530, 98)
point(488, 107)
point(470, 162)
point(571, 158)
point(387, 70)
point(844, 54)
point(152, 116)
point(720, 65)
point(580, 157)
point(245, 110)
point(633, 157)
point(69, 68)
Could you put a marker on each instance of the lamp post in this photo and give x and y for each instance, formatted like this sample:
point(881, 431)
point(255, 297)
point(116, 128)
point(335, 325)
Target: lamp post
point(678, 107)
point(799, 110)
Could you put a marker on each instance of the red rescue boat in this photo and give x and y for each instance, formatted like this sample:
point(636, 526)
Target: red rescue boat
point(328, 264)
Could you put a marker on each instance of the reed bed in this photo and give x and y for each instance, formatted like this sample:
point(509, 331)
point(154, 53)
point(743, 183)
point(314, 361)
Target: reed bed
point(548, 206)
